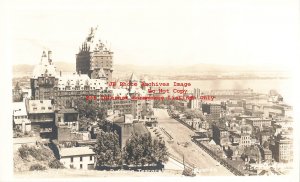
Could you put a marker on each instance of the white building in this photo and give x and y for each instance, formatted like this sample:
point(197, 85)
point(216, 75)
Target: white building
point(20, 118)
point(77, 158)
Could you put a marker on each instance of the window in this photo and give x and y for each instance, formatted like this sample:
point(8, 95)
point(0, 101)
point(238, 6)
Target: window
point(71, 159)
point(91, 158)
point(80, 158)
point(41, 101)
point(80, 166)
point(43, 108)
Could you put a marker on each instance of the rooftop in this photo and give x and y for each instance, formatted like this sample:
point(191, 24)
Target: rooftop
point(67, 111)
point(20, 121)
point(76, 151)
point(258, 119)
point(140, 129)
point(24, 140)
point(19, 109)
point(40, 106)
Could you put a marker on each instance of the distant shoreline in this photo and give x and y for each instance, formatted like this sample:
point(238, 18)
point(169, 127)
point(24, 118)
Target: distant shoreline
point(183, 77)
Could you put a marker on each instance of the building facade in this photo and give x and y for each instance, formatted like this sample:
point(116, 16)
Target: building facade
point(94, 58)
point(77, 158)
point(283, 150)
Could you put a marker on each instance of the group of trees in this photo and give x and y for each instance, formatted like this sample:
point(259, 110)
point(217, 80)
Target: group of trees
point(139, 150)
point(90, 109)
point(142, 150)
point(107, 149)
point(193, 113)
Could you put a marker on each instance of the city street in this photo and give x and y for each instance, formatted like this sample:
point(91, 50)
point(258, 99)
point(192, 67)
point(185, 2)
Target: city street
point(183, 148)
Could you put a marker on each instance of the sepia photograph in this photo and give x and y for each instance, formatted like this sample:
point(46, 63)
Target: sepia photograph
point(182, 90)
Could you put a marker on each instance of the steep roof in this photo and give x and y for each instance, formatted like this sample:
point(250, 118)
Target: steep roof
point(80, 80)
point(44, 67)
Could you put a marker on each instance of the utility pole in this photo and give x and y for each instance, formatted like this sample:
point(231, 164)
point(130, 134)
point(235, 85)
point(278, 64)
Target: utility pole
point(183, 161)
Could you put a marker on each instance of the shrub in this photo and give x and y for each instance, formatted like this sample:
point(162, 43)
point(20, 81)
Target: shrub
point(188, 172)
point(56, 164)
point(37, 167)
point(24, 151)
point(41, 154)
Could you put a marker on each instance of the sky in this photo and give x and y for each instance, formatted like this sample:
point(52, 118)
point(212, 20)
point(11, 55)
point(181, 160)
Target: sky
point(187, 32)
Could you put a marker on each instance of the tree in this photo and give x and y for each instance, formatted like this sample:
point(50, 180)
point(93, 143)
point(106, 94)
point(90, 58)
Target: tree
point(84, 123)
point(229, 153)
point(141, 150)
point(56, 164)
point(107, 149)
point(37, 167)
point(191, 114)
point(266, 144)
point(90, 109)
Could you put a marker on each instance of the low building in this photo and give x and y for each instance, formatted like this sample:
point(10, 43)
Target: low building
point(258, 122)
point(220, 135)
point(150, 121)
point(267, 155)
point(126, 130)
point(65, 134)
point(41, 115)
point(234, 138)
point(67, 117)
point(20, 118)
point(77, 158)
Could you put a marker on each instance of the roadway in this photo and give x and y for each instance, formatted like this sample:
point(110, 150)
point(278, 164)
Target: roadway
point(183, 148)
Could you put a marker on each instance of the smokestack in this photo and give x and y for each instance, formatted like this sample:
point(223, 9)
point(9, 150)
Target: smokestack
point(50, 57)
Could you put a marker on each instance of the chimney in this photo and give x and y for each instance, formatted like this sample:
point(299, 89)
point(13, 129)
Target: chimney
point(60, 73)
point(79, 73)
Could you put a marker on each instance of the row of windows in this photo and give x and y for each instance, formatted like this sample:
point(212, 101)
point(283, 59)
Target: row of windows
point(20, 117)
point(81, 88)
point(43, 108)
point(91, 158)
